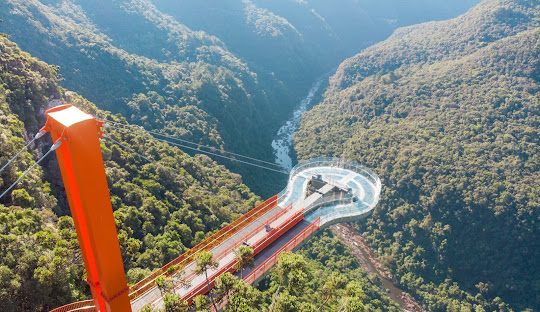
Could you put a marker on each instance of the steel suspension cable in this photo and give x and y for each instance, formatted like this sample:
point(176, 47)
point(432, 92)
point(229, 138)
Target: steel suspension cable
point(164, 168)
point(53, 147)
point(192, 143)
point(195, 149)
point(37, 136)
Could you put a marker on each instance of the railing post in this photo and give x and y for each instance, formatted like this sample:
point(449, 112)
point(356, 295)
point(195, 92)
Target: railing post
point(81, 165)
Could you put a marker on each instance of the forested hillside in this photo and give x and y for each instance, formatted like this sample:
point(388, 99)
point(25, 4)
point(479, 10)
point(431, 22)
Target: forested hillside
point(158, 216)
point(300, 40)
point(153, 70)
point(448, 115)
point(223, 73)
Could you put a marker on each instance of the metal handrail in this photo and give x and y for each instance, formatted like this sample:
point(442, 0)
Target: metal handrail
point(354, 211)
point(330, 162)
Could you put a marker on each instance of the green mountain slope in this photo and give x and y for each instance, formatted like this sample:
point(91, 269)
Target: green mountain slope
point(300, 40)
point(448, 115)
point(222, 73)
point(112, 61)
point(435, 41)
point(158, 215)
point(153, 70)
point(257, 35)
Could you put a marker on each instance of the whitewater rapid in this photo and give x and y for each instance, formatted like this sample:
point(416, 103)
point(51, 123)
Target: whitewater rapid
point(282, 143)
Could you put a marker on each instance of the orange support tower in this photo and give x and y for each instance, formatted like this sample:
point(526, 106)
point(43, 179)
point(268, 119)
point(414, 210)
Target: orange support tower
point(81, 164)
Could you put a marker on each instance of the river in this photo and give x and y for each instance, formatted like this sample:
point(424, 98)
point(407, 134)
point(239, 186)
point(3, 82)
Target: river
point(282, 143)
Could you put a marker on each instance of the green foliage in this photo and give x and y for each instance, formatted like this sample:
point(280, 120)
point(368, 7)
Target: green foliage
point(239, 295)
point(194, 88)
point(333, 285)
point(204, 261)
point(228, 82)
point(39, 263)
point(163, 76)
point(292, 271)
point(299, 40)
point(25, 87)
point(224, 284)
point(157, 215)
point(331, 263)
point(299, 283)
point(447, 114)
point(353, 305)
point(164, 283)
point(22, 198)
point(244, 298)
point(136, 274)
point(173, 303)
point(201, 302)
point(244, 258)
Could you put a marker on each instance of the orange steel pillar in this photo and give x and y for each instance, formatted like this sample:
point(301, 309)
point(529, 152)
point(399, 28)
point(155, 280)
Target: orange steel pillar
point(81, 164)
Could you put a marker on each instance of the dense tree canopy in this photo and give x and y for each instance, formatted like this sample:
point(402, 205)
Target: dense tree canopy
point(322, 276)
point(158, 215)
point(448, 115)
point(156, 72)
point(446, 112)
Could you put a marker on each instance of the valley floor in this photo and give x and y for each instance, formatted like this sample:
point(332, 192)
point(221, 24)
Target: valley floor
point(369, 261)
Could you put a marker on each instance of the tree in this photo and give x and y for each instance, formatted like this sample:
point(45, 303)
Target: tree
point(173, 303)
point(352, 304)
point(243, 297)
point(224, 284)
point(178, 277)
point(334, 283)
point(164, 283)
point(287, 303)
point(353, 299)
point(201, 302)
point(204, 262)
point(291, 269)
point(244, 257)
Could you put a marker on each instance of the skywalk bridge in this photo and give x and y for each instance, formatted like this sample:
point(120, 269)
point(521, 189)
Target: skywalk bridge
point(320, 192)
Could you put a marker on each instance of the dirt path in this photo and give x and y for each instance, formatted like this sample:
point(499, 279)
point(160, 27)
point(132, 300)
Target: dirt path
point(372, 265)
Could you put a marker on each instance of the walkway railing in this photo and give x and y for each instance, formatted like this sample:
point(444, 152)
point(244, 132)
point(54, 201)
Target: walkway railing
point(83, 306)
point(354, 211)
point(341, 212)
point(258, 246)
point(149, 282)
point(245, 238)
point(270, 262)
point(290, 246)
point(206, 245)
point(332, 162)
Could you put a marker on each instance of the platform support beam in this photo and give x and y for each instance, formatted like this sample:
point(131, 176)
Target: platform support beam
point(83, 173)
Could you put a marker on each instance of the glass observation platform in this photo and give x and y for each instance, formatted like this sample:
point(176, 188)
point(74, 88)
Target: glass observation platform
point(334, 189)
